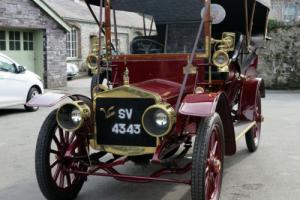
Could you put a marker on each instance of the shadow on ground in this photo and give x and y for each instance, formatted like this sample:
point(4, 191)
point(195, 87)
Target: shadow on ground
point(11, 111)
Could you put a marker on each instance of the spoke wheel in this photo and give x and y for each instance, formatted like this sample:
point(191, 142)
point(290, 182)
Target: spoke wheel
point(208, 156)
point(53, 166)
point(253, 135)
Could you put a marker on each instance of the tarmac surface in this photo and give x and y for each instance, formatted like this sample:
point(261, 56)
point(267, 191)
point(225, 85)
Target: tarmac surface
point(271, 173)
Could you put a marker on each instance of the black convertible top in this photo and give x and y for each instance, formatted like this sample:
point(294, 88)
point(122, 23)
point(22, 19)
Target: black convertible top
point(187, 11)
point(163, 11)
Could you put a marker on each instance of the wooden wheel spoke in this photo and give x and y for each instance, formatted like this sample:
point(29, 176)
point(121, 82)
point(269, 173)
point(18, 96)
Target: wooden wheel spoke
point(62, 179)
point(56, 142)
point(54, 163)
point(68, 179)
point(54, 152)
point(61, 135)
point(72, 137)
point(214, 148)
point(207, 187)
point(207, 167)
point(67, 137)
point(57, 172)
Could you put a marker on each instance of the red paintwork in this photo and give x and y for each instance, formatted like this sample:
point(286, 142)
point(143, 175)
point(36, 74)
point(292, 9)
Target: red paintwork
point(66, 143)
point(168, 90)
point(214, 165)
point(200, 105)
point(111, 172)
point(139, 71)
point(250, 90)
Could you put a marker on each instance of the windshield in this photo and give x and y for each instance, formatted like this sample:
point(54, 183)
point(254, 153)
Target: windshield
point(157, 26)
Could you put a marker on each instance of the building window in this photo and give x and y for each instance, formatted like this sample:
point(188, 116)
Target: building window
point(72, 43)
point(14, 41)
point(2, 41)
point(28, 41)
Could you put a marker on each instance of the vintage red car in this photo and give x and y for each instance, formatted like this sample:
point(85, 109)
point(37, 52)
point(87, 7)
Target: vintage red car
point(190, 83)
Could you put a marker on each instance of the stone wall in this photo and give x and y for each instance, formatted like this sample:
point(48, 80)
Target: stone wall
point(280, 61)
point(26, 14)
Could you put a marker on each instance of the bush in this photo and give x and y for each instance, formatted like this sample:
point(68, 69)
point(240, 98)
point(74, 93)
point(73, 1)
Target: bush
point(273, 24)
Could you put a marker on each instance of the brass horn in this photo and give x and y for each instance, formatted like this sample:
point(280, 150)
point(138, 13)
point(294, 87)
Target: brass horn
point(92, 62)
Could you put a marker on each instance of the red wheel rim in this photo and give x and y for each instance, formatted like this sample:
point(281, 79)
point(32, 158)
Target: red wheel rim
point(214, 162)
point(257, 128)
point(61, 164)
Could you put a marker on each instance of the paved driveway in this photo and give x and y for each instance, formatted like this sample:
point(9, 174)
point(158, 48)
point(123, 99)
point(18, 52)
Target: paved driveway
point(272, 173)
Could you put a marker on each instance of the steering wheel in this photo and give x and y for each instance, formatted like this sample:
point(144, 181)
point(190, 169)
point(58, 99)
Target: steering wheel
point(146, 46)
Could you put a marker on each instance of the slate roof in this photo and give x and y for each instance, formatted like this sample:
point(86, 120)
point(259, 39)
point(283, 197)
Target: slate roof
point(78, 11)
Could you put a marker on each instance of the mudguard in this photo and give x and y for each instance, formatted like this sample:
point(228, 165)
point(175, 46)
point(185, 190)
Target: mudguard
point(205, 105)
point(251, 88)
point(50, 99)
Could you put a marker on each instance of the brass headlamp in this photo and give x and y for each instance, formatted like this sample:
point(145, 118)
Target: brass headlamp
point(222, 47)
point(71, 116)
point(159, 119)
point(92, 62)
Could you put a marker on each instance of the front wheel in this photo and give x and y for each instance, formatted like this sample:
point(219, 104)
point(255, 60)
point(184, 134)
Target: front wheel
point(53, 167)
point(208, 156)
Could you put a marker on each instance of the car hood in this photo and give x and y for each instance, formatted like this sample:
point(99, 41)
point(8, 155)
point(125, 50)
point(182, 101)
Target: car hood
point(168, 90)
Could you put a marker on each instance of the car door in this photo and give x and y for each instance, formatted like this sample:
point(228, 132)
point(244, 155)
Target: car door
point(13, 89)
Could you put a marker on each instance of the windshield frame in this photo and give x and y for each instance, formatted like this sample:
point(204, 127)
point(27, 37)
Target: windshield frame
point(160, 56)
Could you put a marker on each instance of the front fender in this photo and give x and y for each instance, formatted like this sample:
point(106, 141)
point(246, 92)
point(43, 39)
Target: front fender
point(251, 88)
point(50, 99)
point(205, 105)
point(199, 105)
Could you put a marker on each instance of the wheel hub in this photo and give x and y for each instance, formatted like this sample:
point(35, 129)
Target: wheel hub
point(216, 166)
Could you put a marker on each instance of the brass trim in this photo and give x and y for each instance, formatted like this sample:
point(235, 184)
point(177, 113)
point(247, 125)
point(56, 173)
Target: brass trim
point(127, 92)
point(227, 43)
point(223, 67)
point(207, 49)
point(84, 110)
point(190, 70)
point(92, 67)
point(126, 77)
point(167, 108)
point(128, 150)
point(123, 92)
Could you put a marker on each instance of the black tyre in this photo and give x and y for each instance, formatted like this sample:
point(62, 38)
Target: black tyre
point(253, 135)
point(208, 157)
point(32, 93)
point(52, 167)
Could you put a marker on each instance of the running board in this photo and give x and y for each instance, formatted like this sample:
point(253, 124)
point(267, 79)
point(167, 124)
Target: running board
point(242, 127)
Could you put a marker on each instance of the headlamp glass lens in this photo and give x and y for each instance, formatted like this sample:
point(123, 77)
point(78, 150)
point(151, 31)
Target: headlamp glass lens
point(221, 59)
point(161, 119)
point(76, 116)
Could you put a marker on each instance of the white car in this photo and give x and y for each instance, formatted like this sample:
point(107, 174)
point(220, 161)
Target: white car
point(72, 71)
point(17, 84)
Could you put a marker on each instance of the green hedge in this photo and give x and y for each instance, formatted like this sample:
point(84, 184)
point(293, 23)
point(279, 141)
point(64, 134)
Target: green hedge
point(273, 24)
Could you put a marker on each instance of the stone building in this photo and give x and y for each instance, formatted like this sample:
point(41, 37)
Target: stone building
point(45, 34)
point(29, 31)
point(285, 10)
point(84, 35)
